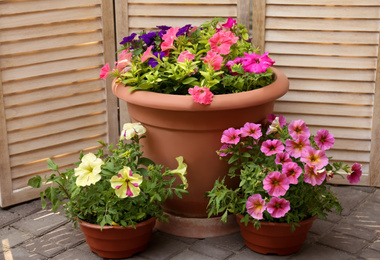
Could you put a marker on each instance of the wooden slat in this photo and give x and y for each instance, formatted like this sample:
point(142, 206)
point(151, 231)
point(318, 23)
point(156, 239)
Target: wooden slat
point(140, 23)
point(352, 144)
point(347, 133)
point(326, 2)
point(189, 2)
point(258, 24)
point(28, 19)
point(349, 156)
point(178, 10)
point(322, 12)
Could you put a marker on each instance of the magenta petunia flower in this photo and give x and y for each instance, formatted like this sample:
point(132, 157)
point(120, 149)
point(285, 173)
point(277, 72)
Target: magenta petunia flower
point(354, 177)
point(252, 130)
point(270, 147)
point(324, 139)
point(105, 71)
point(255, 206)
point(276, 184)
point(169, 38)
point(315, 158)
point(282, 158)
point(147, 54)
point(230, 22)
point(295, 148)
point(278, 207)
point(221, 42)
point(297, 128)
point(185, 55)
point(254, 63)
point(201, 95)
point(213, 59)
point(231, 136)
point(293, 171)
point(314, 176)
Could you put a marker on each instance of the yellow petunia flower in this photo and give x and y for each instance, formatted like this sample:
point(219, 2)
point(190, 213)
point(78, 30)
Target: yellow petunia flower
point(88, 172)
point(126, 184)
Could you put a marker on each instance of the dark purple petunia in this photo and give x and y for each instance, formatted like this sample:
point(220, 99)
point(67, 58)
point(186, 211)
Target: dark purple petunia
point(183, 30)
point(161, 33)
point(148, 38)
point(152, 62)
point(163, 27)
point(128, 39)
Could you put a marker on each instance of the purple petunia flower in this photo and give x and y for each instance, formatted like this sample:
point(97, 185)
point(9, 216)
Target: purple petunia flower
point(128, 38)
point(163, 27)
point(183, 30)
point(152, 62)
point(148, 38)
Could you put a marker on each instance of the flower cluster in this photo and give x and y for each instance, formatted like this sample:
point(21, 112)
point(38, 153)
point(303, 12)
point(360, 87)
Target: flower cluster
point(283, 171)
point(214, 58)
point(114, 187)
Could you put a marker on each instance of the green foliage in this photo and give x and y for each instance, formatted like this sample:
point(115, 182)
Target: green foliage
point(97, 203)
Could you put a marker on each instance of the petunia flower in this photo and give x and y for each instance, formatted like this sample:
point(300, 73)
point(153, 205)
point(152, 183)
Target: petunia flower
point(147, 54)
point(223, 150)
point(297, 128)
point(314, 176)
point(153, 62)
point(295, 148)
point(230, 23)
point(181, 171)
point(231, 63)
point(231, 136)
point(128, 38)
point(88, 171)
point(270, 147)
point(183, 30)
point(356, 172)
point(315, 158)
point(275, 126)
point(169, 38)
point(254, 63)
point(130, 130)
point(255, 206)
point(278, 207)
point(281, 119)
point(252, 130)
point(105, 71)
point(292, 171)
point(148, 38)
point(124, 60)
point(201, 95)
point(282, 158)
point(221, 42)
point(126, 184)
point(185, 55)
point(276, 184)
point(324, 139)
point(213, 59)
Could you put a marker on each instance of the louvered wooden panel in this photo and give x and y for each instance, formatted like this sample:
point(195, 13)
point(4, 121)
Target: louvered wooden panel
point(53, 103)
point(329, 51)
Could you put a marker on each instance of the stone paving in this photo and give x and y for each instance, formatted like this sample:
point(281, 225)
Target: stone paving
point(27, 232)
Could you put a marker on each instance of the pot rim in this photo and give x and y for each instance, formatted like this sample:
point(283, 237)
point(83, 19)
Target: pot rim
point(96, 226)
point(254, 97)
point(266, 223)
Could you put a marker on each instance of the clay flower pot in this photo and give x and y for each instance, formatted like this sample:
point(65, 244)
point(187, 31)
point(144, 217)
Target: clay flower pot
point(275, 238)
point(179, 126)
point(118, 242)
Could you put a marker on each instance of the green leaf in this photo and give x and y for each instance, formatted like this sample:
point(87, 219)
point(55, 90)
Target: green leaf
point(43, 201)
point(146, 161)
point(35, 182)
point(189, 80)
point(52, 165)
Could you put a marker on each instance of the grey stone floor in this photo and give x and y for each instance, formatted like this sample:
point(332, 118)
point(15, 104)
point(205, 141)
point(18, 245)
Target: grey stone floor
point(27, 232)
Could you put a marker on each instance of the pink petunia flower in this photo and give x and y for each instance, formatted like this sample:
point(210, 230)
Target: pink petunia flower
point(293, 171)
point(105, 71)
point(255, 206)
point(278, 207)
point(324, 139)
point(221, 42)
point(231, 63)
point(295, 148)
point(281, 119)
point(147, 54)
point(252, 130)
point(314, 176)
point(214, 60)
point(297, 128)
point(223, 150)
point(270, 147)
point(231, 136)
point(315, 158)
point(254, 63)
point(169, 38)
point(201, 95)
point(124, 61)
point(276, 184)
point(185, 55)
point(282, 158)
point(354, 177)
point(230, 23)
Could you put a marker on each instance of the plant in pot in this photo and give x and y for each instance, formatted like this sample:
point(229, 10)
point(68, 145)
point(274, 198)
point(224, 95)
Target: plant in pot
point(115, 195)
point(186, 85)
point(284, 173)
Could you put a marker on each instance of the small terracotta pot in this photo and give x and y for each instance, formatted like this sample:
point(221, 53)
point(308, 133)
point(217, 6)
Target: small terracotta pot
point(274, 238)
point(118, 242)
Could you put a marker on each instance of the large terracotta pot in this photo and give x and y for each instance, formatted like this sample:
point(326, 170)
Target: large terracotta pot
point(275, 238)
point(118, 242)
point(176, 125)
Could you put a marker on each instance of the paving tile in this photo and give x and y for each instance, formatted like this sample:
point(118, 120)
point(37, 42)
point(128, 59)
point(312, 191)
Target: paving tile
point(318, 252)
point(41, 222)
point(20, 253)
point(248, 254)
point(375, 197)
point(186, 240)
point(65, 236)
point(191, 255)
point(204, 248)
point(321, 227)
point(343, 242)
point(355, 231)
point(364, 188)
point(232, 242)
point(163, 247)
point(370, 254)
point(11, 237)
point(26, 208)
point(367, 216)
point(76, 254)
point(349, 198)
point(375, 245)
point(43, 247)
point(7, 217)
